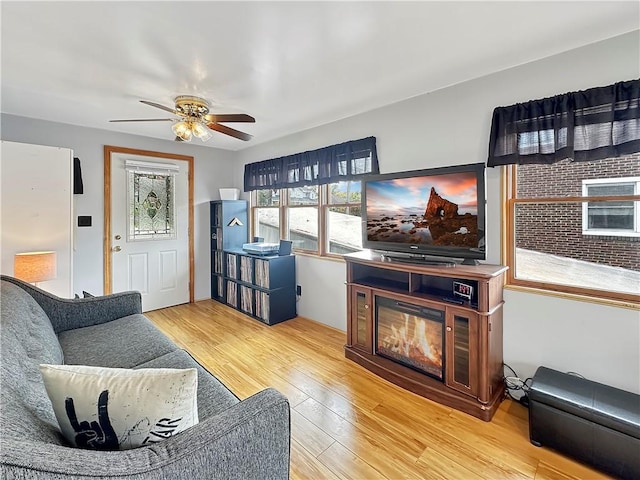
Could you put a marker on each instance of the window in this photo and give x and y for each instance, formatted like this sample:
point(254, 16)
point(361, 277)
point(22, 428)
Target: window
point(572, 196)
point(558, 241)
point(343, 222)
point(302, 217)
point(612, 217)
point(319, 219)
point(312, 198)
point(266, 215)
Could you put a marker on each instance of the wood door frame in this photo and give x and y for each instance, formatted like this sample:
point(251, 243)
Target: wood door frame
point(110, 149)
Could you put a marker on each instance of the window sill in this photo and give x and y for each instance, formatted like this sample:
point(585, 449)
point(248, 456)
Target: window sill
point(612, 233)
point(574, 296)
point(333, 258)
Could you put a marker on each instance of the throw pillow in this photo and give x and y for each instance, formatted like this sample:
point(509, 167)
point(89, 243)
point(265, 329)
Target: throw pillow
point(117, 409)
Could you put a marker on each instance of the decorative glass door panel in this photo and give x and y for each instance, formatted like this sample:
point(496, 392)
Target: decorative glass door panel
point(151, 206)
point(462, 350)
point(361, 320)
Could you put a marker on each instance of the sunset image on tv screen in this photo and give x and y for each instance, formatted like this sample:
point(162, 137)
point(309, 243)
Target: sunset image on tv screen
point(428, 210)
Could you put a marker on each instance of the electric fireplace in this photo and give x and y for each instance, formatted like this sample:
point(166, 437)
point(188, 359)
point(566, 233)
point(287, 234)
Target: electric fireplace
point(411, 335)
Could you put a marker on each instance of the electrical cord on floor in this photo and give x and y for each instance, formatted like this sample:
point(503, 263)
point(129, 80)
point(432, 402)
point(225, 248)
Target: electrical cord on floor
point(514, 384)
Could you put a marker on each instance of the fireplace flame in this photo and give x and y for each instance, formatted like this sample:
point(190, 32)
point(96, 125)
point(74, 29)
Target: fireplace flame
point(412, 347)
point(420, 339)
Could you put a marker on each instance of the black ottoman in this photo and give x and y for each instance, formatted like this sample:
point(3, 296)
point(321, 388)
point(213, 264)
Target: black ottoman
point(591, 422)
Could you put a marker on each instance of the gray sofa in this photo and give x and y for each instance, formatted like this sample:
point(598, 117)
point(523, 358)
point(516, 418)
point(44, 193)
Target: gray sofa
point(234, 439)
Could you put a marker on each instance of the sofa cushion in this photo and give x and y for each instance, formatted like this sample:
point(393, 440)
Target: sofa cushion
point(123, 343)
point(27, 340)
point(25, 322)
point(213, 396)
point(115, 408)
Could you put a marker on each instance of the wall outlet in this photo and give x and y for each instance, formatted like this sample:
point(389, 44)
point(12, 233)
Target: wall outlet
point(299, 290)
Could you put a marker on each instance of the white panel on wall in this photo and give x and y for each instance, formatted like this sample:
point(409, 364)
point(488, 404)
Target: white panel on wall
point(168, 269)
point(138, 272)
point(37, 208)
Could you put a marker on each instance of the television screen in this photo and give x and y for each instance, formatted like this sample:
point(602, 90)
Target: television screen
point(434, 212)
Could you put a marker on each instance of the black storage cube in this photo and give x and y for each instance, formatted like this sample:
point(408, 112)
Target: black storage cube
point(591, 422)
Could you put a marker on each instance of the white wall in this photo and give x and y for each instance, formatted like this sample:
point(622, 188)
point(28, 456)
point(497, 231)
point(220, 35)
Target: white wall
point(212, 170)
point(451, 126)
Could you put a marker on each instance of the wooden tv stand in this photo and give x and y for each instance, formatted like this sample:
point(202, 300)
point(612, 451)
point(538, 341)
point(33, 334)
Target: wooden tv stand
point(472, 376)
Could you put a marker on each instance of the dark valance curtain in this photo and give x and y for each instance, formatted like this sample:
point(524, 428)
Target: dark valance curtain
point(592, 124)
point(336, 163)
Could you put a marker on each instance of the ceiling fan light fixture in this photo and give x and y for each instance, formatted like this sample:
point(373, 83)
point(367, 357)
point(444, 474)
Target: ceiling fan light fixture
point(195, 119)
point(201, 131)
point(182, 130)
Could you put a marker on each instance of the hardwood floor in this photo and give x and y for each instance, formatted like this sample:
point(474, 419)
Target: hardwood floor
point(348, 423)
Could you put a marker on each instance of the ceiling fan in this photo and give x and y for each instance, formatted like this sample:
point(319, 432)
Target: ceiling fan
point(195, 120)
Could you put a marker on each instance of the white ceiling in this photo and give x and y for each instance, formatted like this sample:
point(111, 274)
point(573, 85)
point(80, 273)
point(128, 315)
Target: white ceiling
point(292, 65)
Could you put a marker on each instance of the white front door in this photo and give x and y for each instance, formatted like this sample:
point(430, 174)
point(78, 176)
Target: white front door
point(150, 229)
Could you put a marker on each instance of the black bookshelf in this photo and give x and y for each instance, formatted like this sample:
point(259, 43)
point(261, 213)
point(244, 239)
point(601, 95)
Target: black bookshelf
point(229, 229)
point(263, 287)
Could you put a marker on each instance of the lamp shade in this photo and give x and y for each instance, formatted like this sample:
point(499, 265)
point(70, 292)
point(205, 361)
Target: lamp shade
point(35, 267)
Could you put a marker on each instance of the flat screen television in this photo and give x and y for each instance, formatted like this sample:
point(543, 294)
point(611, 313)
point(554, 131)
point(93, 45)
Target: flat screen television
point(435, 215)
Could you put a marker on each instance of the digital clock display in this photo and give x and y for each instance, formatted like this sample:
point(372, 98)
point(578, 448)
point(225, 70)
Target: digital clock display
point(463, 290)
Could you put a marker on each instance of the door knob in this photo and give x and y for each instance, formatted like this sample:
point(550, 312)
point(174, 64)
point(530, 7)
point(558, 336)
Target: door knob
point(117, 248)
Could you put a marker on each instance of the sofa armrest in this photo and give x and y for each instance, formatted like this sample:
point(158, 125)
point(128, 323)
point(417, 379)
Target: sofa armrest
point(250, 440)
point(67, 314)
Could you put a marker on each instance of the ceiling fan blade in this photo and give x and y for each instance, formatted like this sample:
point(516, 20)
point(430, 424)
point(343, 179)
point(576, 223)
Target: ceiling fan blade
point(161, 107)
point(145, 120)
point(229, 131)
point(229, 117)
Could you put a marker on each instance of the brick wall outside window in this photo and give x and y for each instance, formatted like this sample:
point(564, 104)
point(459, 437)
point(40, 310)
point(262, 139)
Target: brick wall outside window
point(557, 228)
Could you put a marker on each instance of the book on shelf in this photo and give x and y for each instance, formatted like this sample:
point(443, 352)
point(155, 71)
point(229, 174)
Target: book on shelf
point(246, 269)
point(217, 216)
point(262, 273)
point(221, 287)
point(262, 305)
point(246, 299)
point(216, 239)
point(232, 266)
point(232, 293)
point(217, 262)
